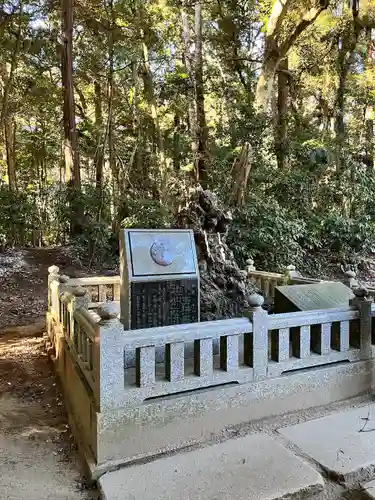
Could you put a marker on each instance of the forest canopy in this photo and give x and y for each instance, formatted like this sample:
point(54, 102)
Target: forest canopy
point(112, 110)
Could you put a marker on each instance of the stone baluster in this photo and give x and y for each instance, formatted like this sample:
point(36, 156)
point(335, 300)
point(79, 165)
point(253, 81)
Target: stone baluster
point(102, 294)
point(53, 277)
point(363, 303)
point(256, 344)
point(250, 266)
point(108, 364)
point(108, 311)
point(229, 349)
point(291, 272)
point(144, 356)
point(116, 292)
point(63, 280)
point(280, 344)
point(175, 361)
point(81, 297)
point(350, 279)
point(203, 357)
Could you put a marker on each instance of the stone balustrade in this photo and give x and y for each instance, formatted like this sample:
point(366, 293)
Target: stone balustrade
point(105, 392)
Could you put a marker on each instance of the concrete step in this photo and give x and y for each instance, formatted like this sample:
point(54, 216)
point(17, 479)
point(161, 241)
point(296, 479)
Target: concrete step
point(342, 443)
point(255, 467)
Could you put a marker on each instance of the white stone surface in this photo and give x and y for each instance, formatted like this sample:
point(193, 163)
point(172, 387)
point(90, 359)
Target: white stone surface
point(150, 248)
point(343, 443)
point(255, 467)
point(370, 489)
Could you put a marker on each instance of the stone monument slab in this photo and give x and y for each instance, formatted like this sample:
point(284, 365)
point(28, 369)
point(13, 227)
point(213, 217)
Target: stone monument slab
point(327, 295)
point(159, 278)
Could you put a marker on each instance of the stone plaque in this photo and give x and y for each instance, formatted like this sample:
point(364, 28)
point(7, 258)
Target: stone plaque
point(159, 278)
point(311, 297)
point(163, 303)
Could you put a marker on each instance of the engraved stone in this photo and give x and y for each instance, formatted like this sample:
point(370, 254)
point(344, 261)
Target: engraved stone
point(162, 253)
point(311, 297)
point(159, 278)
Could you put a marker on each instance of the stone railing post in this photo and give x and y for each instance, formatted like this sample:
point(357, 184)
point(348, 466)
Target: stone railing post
point(81, 297)
point(350, 279)
point(363, 303)
point(291, 272)
point(256, 348)
point(53, 275)
point(110, 355)
point(250, 266)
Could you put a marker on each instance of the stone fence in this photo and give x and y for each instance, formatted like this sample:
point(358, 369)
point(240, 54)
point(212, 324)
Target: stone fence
point(119, 385)
point(266, 282)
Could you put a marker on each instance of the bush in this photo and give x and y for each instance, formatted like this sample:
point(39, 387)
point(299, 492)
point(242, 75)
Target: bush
point(267, 232)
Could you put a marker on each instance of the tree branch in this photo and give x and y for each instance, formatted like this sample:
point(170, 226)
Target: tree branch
point(278, 13)
point(304, 23)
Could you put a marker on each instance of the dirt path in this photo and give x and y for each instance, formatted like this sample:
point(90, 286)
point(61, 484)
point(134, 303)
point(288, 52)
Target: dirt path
point(38, 459)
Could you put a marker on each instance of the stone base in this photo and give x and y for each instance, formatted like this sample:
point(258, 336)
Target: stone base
point(251, 468)
point(342, 443)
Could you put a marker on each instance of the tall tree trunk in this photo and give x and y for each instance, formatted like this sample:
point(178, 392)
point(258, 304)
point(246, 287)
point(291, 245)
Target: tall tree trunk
point(110, 82)
point(176, 142)
point(7, 123)
point(281, 143)
point(137, 126)
point(346, 47)
point(100, 139)
point(190, 94)
point(71, 155)
point(202, 132)
point(157, 136)
point(369, 110)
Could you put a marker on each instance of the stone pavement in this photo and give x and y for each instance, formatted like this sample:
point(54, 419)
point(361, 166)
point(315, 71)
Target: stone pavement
point(342, 443)
point(255, 467)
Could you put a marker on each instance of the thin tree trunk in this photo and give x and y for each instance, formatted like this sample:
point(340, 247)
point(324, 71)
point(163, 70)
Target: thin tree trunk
point(9, 129)
point(137, 128)
point(369, 110)
point(281, 143)
point(202, 132)
point(99, 152)
point(176, 142)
